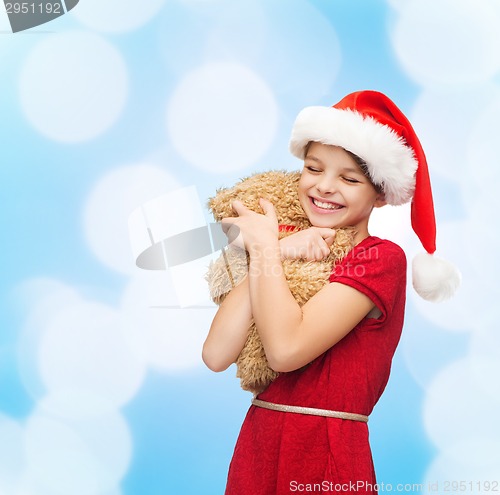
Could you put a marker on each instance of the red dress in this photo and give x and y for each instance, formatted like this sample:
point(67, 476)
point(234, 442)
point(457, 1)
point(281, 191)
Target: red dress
point(279, 453)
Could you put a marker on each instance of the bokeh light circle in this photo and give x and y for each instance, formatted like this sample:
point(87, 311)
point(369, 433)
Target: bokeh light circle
point(485, 357)
point(483, 179)
point(12, 455)
point(163, 334)
point(426, 349)
point(84, 349)
point(444, 121)
point(460, 312)
point(454, 405)
point(304, 65)
point(40, 299)
point(109, 204)
point(222, 117)
point(116, 16)
point(448, 42)
point(468, 466)
point(73, 86)
point(169, 338)
point(95, 453)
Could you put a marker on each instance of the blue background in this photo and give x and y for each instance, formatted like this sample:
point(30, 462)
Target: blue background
point(182, 420)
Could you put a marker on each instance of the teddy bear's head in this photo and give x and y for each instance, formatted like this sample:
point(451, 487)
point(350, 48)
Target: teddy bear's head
point(279, 187)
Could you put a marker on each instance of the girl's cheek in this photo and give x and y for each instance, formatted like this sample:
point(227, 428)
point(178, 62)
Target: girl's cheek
point(303, 182)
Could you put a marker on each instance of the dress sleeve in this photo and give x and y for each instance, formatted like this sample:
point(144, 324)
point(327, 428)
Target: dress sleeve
point(377, 269)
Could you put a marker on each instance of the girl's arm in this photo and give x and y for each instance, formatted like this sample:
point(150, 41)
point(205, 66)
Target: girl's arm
point(229, 329)
point(292, 336)
point(311, 244)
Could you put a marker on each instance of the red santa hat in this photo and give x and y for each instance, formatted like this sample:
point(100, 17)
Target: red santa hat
point(370, 125)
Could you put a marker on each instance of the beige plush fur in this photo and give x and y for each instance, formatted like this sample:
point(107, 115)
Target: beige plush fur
point(304, 278)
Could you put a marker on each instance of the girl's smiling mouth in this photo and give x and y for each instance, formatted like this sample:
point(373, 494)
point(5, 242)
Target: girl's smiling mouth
point(325, 206)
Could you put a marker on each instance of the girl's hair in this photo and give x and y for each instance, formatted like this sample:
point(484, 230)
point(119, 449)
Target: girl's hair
point(364, 168)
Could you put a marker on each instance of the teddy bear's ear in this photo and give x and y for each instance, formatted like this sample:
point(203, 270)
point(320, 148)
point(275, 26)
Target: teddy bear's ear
point(247, 190)
point(278, 186)
point(221, 204)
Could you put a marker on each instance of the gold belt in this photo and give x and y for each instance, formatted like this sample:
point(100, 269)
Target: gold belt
point(310, 410)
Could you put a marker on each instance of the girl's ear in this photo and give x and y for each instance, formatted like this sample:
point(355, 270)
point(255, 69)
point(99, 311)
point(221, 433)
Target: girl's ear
point(380, 201)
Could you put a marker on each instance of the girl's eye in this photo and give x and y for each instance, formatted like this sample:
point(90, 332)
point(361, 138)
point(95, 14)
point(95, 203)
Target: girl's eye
point(312, 169)
point(351, 181)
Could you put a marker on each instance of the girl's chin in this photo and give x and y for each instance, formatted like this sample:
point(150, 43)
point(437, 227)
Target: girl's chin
point(323, 223)
point(322, 219)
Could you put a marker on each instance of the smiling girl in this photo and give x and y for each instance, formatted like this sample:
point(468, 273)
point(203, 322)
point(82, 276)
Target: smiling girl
point(333, 354)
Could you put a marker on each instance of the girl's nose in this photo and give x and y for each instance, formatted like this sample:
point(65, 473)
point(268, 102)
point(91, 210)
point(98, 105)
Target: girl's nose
point(325, 186)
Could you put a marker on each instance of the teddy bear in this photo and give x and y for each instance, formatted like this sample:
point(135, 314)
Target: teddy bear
point(304, 278)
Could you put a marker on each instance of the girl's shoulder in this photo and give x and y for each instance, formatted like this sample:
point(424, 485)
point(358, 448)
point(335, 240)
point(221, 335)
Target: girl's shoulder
point(372, 258)
point(375, 248)
point(377, 268)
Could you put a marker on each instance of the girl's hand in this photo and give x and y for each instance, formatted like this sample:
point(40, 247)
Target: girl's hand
point(312, 244)
point(250, 230)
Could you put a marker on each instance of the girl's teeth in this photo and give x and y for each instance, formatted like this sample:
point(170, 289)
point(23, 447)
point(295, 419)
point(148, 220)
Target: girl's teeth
point(328, 206)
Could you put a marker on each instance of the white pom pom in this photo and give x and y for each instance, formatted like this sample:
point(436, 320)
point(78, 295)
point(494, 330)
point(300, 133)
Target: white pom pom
point(434, 279)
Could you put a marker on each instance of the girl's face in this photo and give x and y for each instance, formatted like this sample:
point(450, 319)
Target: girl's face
point(334, 192)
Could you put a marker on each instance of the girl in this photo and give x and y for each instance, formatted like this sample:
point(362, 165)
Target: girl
point(308, 430)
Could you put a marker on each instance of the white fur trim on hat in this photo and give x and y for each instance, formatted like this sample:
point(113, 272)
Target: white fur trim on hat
point(390, 162)
point(434, 279)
